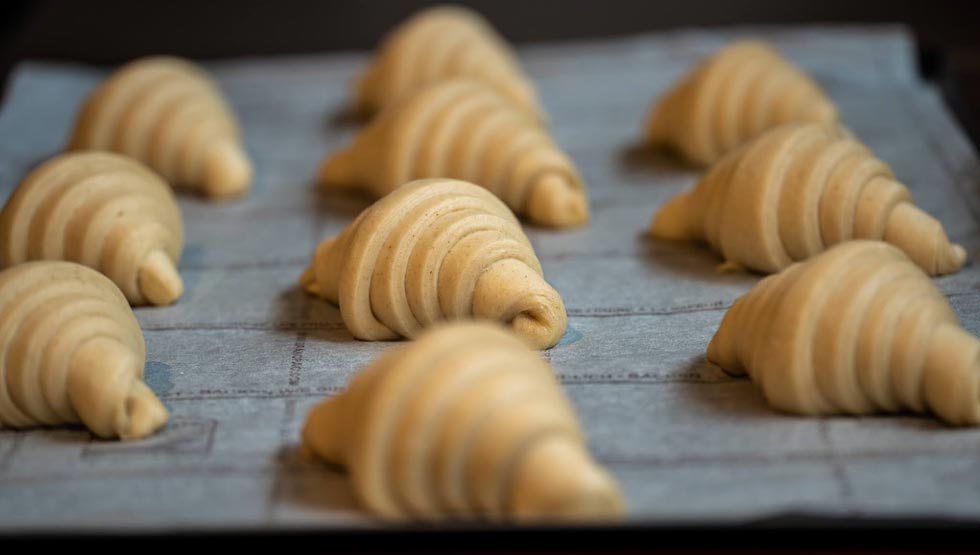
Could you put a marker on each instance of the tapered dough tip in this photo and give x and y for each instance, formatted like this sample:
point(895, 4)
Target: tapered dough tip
point(559, 480)
point(337, 171)
point(321, 433)
point(227, 171)
point(510, 290)
point(923, 239)
point(544, 326)
point(556, 201)
point(141, 413)
point(958, 255)
point(159, 281)
point(950, 260)
point(308, 281)
point(674, 220)
point(952, 375)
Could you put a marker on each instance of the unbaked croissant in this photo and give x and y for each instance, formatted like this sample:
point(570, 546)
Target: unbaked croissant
point(797, 190)
point(463, 130)
point(439, 43)
point(167, 113)
point(72, 351)
point(105, 211)
point(432, 250)
point(466, 421)
point(741, 91)
point(858, 329)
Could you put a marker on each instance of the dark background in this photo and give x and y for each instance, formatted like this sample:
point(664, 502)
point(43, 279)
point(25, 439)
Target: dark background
point(113, 31)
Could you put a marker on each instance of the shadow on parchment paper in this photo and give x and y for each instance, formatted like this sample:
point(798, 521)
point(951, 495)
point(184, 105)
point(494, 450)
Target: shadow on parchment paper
point(344, 116)
point(691, 261)
point(74, 433)
point(299, 311)
point(312, 487)
point(723, 394)
point(340, 206)
point(641, 157)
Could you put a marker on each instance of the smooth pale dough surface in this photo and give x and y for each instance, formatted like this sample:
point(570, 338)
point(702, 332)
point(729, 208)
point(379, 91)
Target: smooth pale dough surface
point(71, 351)
point(433, 250)
point(169, 114)
point(105, 211)
point(439, 43)
point(796, 190)
point(466, 421)
point(740, 92)
point(858, 329)
point(461, 129)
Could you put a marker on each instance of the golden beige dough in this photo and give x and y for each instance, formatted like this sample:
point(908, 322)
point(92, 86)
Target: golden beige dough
point(797, 190)
point(433, 250)
point(105, 211)
point(463, 130)
point(466, 421)
point(72, 351)
point(440, 43)
point(734, 96)
point(169, 114)
point(858, 329)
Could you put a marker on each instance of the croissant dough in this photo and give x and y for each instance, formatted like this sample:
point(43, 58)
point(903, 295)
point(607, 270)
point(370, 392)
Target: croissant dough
point(72, 351)
point(433, 250)
point(858, 329)
point(461, 129)
point(465, 421)
point(734, 96)
point(167, 113)
point(796, 190)
point(439, 43)
point(105, 211)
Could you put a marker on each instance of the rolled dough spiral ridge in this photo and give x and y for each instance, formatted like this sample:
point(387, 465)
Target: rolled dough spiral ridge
point(466, 421)
point(167, 113)
point(858, 329)
point(796, 190)
point(461, 129)
point(71, 351)
point(432, 250)
point(743, 90)
point(440, 43)
point(105, 211)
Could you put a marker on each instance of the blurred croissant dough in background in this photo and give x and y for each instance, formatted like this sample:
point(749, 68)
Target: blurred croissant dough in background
point(105, 211)
point(741, 91)
point(438, 43)
point(466, 421)
point(463, 130)
point(432, 250)
point(72, 351)
point(167, 113)
point(797, 190)
point(858, 329)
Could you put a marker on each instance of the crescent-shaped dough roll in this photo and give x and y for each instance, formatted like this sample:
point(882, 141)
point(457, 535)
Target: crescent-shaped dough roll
point(466, 421)
point(797, 190)
point(858, 329)
point(169, 114)
point(72, 351)
point(439, 43)
point(433, 250)
point(463, 130)
point(734, 96)
point(105, 211)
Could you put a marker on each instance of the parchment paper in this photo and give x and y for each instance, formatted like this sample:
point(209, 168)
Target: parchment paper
point(244, 354)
